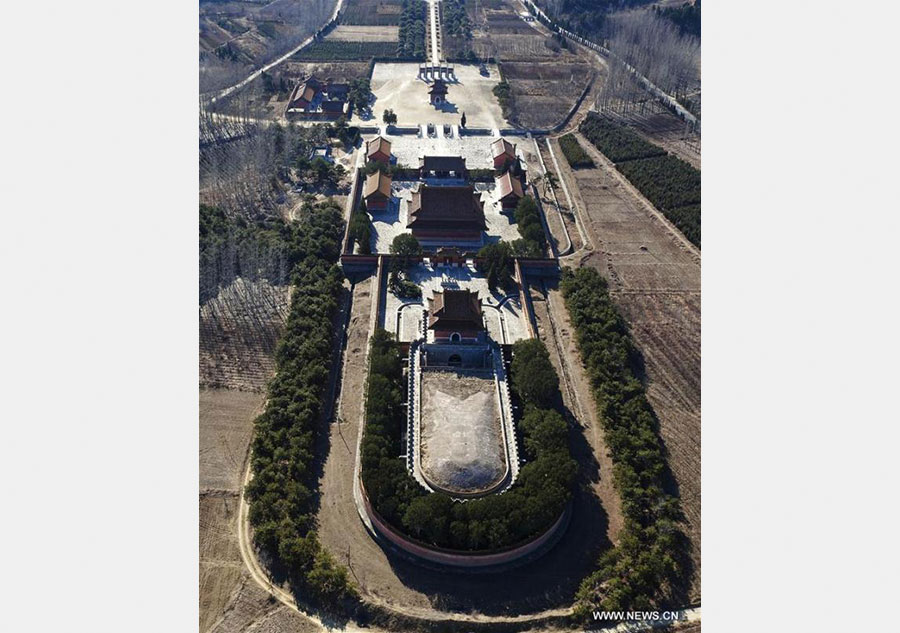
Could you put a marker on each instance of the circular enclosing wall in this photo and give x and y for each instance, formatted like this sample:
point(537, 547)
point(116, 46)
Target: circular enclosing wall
point(484, 562)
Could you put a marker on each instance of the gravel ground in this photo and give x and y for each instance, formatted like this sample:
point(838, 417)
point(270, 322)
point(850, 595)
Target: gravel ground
point(462, 440)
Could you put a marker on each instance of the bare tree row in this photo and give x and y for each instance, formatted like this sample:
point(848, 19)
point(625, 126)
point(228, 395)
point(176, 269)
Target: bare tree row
point(301, 17)
point(240, 256)
point(654, 47)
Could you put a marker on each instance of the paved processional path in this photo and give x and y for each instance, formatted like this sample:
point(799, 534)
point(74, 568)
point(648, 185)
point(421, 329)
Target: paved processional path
point(434, 16)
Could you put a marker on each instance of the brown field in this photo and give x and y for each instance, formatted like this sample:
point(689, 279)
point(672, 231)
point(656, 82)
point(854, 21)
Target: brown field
point(544, 92)
point(226, 424)
point(545, 78)
point(369, 33)
point(220, 561)
point(230, 600)
point(372, 12)
point(499, 32)
point(252, 609)
point(655, 280)
point(239, 331)
point(212, 35)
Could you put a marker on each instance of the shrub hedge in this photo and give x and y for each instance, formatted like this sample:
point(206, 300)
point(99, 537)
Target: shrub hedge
point(455, 20)
point(528, 220)
point(574, 152)
point(616, 142)
point(360, 230)
point(648, 567)
point(412, 29)
point(282, 492)
point(527, 509)
point(670, 184)
point(503, 92)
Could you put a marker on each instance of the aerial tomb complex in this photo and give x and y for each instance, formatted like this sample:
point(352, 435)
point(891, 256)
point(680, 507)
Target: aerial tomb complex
point(461, 412)
point(456, 333)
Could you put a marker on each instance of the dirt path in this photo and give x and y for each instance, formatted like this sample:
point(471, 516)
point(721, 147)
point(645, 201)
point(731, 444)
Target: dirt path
point(555, 329)
point(571, 214)
point(654, 276)
point(226, 424)
point(559, 232)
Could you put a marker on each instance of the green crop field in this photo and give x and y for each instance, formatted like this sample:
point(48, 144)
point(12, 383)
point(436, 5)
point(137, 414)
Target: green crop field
point(333, 50)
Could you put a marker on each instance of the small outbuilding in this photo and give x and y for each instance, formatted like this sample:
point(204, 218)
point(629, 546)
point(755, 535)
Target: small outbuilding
point(304, 94)
point(510, 190)
point(377, 191)
point(379, 150)
point(503, 153)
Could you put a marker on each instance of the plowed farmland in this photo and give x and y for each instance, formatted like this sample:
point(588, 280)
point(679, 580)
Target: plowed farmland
point(226, 423)
point(543, 92)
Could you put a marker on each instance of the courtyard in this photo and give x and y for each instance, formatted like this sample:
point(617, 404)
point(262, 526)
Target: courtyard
point(503, 314)
point(391, 222)
point(396, 86)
